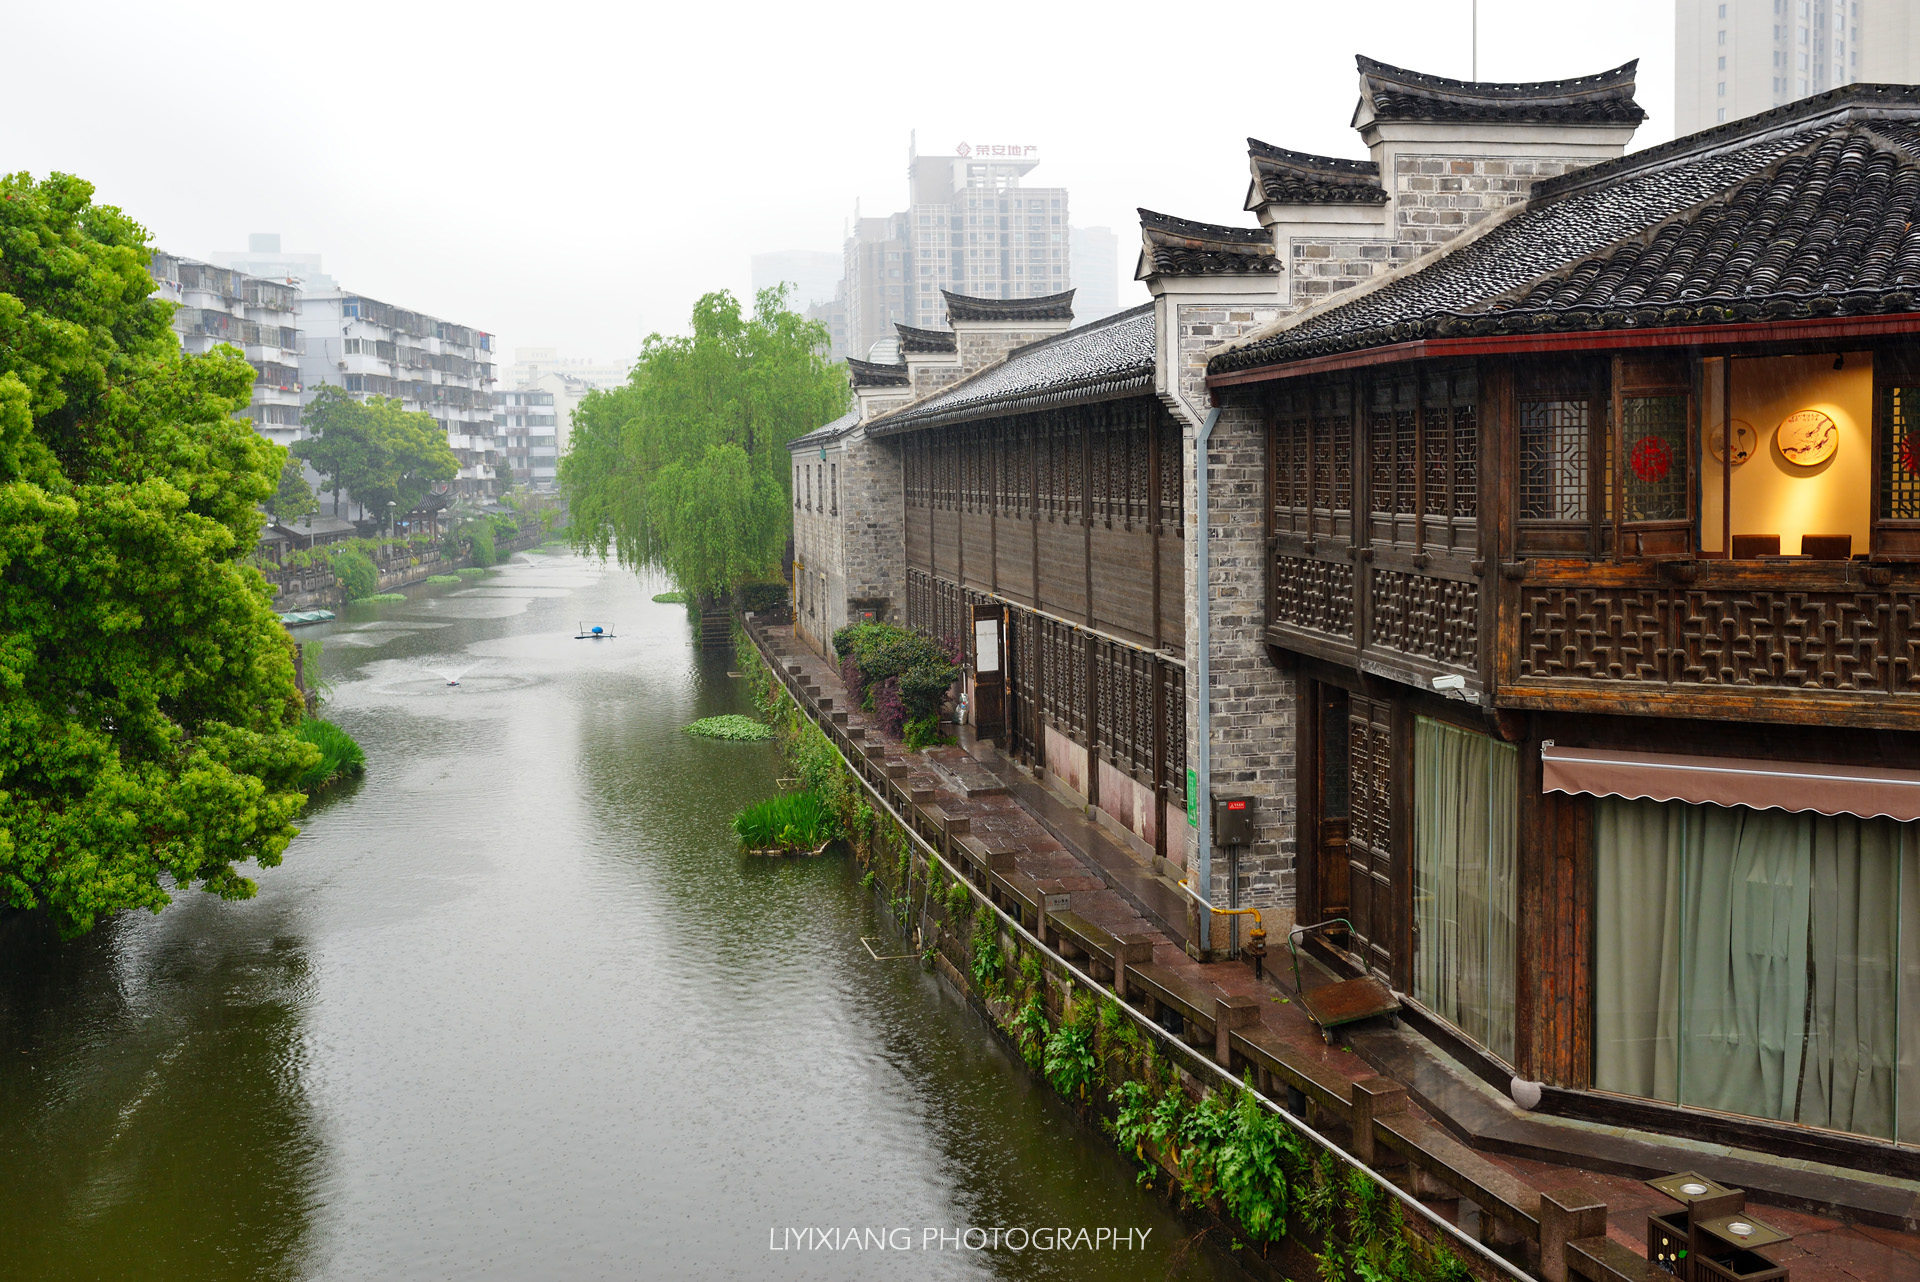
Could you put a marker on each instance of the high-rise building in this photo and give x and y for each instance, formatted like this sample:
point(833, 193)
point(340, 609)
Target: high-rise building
point(1735, 58)
point(535, 418)
point(1096, 274)
point(264, 258)
point(833, 315)
point(969, 227)
point(220, 305)
point(813, 275)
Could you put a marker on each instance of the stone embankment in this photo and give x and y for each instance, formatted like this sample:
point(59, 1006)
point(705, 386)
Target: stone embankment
point(1077, 931)
point(316, 588)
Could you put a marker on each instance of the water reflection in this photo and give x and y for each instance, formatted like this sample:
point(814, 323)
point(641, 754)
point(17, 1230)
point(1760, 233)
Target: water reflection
point(515, 1007)
point(130, 1064)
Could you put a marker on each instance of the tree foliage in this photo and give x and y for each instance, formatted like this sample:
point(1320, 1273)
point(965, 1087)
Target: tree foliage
point(685, 468)
point(293, 498)
point(375, 450)
point(147, 703)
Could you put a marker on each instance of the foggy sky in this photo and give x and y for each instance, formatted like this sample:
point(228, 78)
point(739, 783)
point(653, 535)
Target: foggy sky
point(575, 174)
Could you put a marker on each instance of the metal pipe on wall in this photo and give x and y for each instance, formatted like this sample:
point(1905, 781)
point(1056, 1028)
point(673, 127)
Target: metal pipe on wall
point(1200, 795)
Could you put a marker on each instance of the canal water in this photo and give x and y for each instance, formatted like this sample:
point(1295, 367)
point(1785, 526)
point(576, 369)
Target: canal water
point(514, 1007)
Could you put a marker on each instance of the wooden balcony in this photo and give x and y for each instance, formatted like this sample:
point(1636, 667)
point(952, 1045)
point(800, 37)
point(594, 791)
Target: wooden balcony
point(1779, 640)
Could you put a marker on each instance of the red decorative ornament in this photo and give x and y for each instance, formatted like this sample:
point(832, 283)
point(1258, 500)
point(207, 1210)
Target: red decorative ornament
point(1909, 455)
point(1651, 458)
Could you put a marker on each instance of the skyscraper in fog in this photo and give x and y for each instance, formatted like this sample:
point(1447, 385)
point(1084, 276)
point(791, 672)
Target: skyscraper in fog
point(813, 274)
point(1735, 58)
point(1096, 273)
point(970, 227)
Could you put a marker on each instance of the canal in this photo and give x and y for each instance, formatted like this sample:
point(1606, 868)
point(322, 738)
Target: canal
point(515, 1007)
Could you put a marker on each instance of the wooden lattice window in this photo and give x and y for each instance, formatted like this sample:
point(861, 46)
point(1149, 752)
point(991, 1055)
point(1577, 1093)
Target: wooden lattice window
point(1291, 461)
point(1653, 441)
point(1900, 454)
point(1172, 473)
point(1556, 460)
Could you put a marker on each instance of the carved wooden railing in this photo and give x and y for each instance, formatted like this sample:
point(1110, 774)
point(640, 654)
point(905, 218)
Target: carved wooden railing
point(1386, 609)
point(1768, 641)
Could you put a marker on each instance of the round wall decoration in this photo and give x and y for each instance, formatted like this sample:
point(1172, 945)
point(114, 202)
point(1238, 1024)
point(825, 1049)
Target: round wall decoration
point(1745, 441)
point(1807, 439)
point(1651, 459)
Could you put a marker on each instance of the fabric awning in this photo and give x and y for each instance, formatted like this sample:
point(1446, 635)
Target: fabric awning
point(1732, 781)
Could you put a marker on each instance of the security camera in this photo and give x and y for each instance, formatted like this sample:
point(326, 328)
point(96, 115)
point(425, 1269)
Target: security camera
point(1450, 682)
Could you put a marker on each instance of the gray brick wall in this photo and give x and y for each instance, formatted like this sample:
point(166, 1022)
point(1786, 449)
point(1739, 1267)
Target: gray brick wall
point(1436, 197)
point(873, 533)
point(1253, 702)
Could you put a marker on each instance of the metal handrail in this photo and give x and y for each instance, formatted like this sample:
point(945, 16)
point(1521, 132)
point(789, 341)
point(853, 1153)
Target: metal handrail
point(1299, 1124)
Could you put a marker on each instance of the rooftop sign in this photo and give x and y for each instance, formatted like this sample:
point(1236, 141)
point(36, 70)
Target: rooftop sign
point(1014, 150)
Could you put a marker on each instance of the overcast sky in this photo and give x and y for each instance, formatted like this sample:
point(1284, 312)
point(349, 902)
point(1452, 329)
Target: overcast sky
point(576, 174)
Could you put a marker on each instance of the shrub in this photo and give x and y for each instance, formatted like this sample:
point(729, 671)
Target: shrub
point(923, 732)
point(386, 596)
point(480, 539)
point(919, 669)
point(468, 572)
point(888, 708)
point(791, 821)
point(670, 598)
point(761, 597)
point(734, 727)
point(340, 756)
point(443, 578)
point(356, 570)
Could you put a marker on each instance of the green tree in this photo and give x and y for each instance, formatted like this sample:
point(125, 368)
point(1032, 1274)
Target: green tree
point(294, 498)
point(147, 702)
point(685, 467)
point(375, 450)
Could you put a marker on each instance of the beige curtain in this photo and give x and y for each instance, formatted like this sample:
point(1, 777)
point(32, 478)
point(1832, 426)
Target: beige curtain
point(1755, 962)
point(1637, 849)
point(1465, 790)
point(1745, 889)
point(1853, 1011)
point(1907, 1081)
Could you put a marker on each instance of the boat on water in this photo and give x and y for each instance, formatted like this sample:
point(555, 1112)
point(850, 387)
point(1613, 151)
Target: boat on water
point(300, 618)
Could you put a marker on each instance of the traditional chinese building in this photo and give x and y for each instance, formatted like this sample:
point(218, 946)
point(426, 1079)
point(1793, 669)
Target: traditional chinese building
point(1590, 544)
point(1551, 622)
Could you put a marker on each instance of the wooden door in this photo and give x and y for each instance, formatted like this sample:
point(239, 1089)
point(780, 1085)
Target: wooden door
point(1331, 770)
point(1372, 900)
point(988, 644)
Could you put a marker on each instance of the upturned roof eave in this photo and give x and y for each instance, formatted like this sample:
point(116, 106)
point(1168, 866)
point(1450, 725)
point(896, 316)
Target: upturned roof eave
point(1725, 334)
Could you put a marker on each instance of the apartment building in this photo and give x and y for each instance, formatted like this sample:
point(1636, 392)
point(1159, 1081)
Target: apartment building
point(526, 423)
point(220, 305)
point(433, 366)
point(1735, 58)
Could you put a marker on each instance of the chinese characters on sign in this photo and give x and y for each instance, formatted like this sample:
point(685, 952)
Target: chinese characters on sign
point(1013, 149)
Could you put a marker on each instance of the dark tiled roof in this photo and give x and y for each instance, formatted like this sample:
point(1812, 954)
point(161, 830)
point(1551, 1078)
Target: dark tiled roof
point(1101, 361)
point(1051, 307)
point(921, 342)
point(868, 374)
point(1297, 178)
point(1172, 246)
point(827, 433)
point(1397, 94)
point(1804, 211)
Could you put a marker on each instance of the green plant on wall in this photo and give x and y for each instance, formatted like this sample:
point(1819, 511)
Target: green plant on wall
point(986, 965)
point(1069, 1060)
point(1031, 1030)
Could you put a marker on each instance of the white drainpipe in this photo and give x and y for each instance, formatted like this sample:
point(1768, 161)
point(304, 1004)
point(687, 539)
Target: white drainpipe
point(1203, 676)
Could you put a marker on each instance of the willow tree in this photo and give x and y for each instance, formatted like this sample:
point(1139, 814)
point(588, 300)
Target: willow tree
point(684, 468)
point(147, 700)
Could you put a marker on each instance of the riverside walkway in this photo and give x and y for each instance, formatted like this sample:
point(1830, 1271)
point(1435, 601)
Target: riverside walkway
point(1524, 1183)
